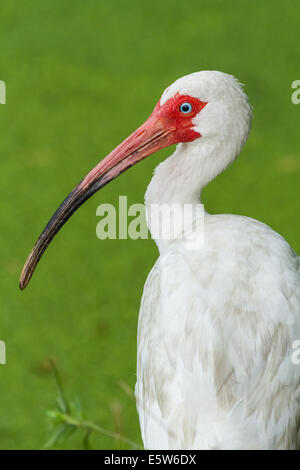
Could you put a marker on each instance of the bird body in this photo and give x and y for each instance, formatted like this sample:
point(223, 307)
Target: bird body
point(215, 337)
point(221, 307)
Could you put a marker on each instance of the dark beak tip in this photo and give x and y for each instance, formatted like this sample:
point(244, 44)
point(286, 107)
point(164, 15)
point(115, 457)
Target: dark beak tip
point(22, 283)
point(26, 273)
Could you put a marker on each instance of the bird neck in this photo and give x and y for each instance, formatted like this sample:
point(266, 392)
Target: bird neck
point(178, 181)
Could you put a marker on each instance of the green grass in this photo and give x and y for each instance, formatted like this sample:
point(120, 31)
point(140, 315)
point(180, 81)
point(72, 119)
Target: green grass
point(80, 77)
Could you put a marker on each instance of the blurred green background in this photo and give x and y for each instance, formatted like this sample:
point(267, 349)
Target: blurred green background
point(80, 77)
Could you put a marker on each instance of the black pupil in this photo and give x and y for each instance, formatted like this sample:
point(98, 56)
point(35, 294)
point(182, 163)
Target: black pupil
point(185, 108)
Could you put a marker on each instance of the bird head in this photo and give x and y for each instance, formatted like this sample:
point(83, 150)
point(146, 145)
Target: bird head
point(220, 109)
point(202, 107)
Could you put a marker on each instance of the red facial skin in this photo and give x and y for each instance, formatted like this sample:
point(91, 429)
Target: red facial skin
point(171, 115)
point(167, 125)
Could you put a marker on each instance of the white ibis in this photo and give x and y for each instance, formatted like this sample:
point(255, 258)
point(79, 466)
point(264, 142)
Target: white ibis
point(217, 322)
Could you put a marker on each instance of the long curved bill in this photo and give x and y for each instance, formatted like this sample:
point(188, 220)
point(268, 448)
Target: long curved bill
point(152, 136)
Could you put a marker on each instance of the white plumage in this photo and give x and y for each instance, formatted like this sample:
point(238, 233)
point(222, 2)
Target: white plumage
point(217, 322)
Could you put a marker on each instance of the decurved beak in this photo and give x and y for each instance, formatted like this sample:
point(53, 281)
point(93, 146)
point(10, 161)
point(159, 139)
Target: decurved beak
point(152, 136)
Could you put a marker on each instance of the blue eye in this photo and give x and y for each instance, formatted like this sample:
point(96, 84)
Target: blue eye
point(185, 108)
